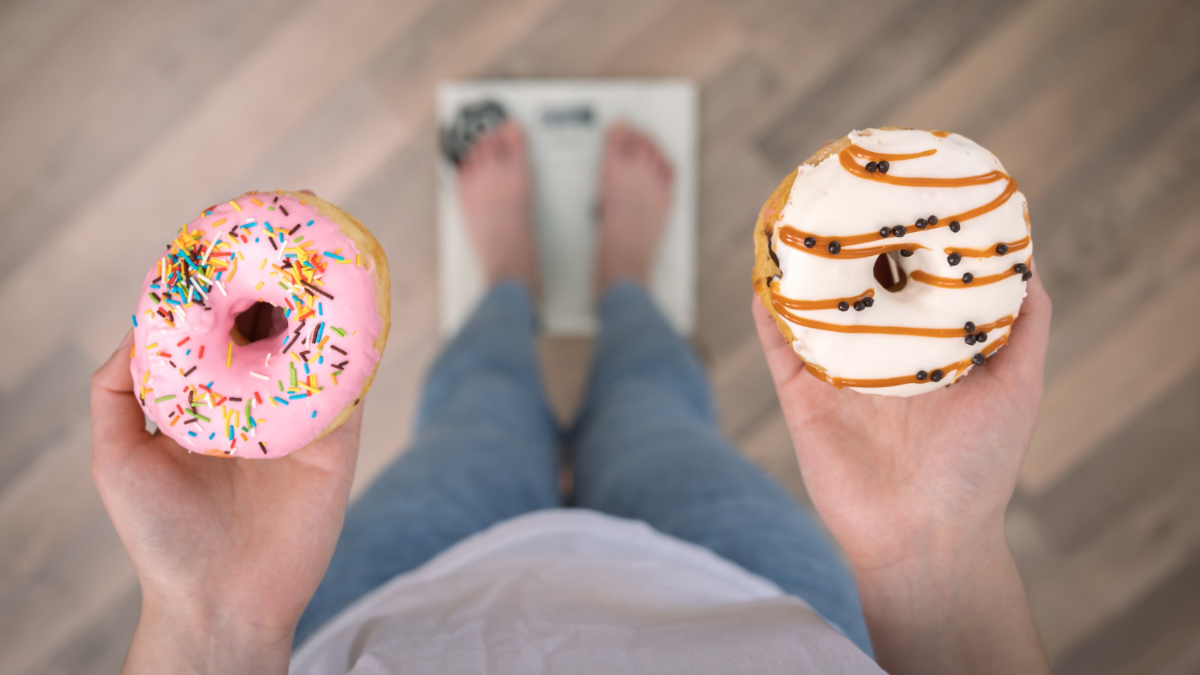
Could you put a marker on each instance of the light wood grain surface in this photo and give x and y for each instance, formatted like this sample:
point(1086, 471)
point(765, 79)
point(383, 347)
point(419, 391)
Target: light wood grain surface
point(119, 119)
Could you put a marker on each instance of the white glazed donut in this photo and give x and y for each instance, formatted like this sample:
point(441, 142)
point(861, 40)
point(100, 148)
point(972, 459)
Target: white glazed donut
point(895, 260)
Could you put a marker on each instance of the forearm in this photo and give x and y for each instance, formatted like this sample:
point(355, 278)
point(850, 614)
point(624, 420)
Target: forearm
point(957, 608)
point(166, 644)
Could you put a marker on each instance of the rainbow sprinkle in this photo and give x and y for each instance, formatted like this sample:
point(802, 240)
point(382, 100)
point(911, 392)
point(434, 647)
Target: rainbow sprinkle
point(187, 274)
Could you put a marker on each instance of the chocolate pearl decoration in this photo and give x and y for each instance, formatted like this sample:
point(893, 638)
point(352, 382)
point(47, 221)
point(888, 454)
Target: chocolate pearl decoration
point(933, 220)
point(844, 306)
point(872, 167)
point(835, 247)
point(922, 223)
point(955, 226)
point(969, 327)
point(970, 339)
point(899, 231)
point(1001, 249)
point(1027, 276)
point(885, 231)
point(859, 306)
point(868, 301)
point(936, 376)
point(978, 359)
point(906, 253)
point(810, 242)
point(981, 337)
point(922, 375)
point(968, 278)
point(1020, 268)
point(954, 259)
point(884, 166)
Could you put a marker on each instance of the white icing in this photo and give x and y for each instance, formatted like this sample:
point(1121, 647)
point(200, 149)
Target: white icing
point(828, 201)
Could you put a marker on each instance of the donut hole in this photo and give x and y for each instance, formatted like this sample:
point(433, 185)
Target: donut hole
point(889, 273)
point(260, 321)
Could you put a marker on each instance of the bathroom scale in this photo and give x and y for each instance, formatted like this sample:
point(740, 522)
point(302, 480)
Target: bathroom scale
point(564, 123)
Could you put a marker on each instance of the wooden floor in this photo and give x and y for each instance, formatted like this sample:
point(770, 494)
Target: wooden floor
point(119, 119)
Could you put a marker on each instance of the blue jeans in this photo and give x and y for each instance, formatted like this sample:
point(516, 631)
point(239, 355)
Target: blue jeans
point(646, 446)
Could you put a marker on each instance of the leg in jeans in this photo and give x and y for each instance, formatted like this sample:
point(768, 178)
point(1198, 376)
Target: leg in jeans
point(648, 447)
point(485, 449)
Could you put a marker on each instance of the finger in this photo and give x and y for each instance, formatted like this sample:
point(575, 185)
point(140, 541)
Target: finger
point(513, 132)
point(617, 131)
point(351, 429)
point(1025, 353)
point(782, 361)
point(117, 419)
point(337, 450)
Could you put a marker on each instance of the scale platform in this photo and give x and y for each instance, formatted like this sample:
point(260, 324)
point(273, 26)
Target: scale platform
point(564, 123)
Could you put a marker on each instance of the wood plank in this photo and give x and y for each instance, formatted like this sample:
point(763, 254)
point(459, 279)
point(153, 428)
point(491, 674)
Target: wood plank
point(860, 94)
point(1126, 467)
point(1116, 379)
point(61, 155)
point(38, 414)
point(218, 153)
point(1156, 635)
point(566, 44)
point(101, 647)
point(1037, 47)
point(1076, 594)
point(691, 43)
point(27, 28)
point(1143, 47)
point(46, 506)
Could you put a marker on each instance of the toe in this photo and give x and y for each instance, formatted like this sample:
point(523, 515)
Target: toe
point(478, 153)
point(665, 170)
point(650, 149)
point(624, 140)
point(485, 146)
point(467, 162)
point(517, 139)
point(491, 145)
point(616, 133)
point(512, 133)
point(511, 141)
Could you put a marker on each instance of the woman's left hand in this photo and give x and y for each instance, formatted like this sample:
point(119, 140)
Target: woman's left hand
point(228, 551)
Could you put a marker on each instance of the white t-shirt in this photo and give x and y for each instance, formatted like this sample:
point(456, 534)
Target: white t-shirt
point(574, 591)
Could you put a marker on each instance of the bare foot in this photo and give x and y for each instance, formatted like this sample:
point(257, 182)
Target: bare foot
point(494, 188)
point(635, 194)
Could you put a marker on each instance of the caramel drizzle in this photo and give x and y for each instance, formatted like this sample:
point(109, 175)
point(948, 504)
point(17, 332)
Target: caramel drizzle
point(823, 241)
point(784, 306)
point(957, 282)
point(832, 303)
point(795, 238)
point(880, 156)
point(1013, 246)
point(846, 157)
point(956, 368)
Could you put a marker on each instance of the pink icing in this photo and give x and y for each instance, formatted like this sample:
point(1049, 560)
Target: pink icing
point(162, 367)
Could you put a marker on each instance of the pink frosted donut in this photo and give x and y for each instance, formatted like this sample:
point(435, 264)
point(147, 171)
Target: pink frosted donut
point(260, 329)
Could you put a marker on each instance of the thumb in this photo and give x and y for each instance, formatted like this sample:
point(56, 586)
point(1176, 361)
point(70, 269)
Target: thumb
point(117, 419)
point(782, 361)
point(337, 450)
